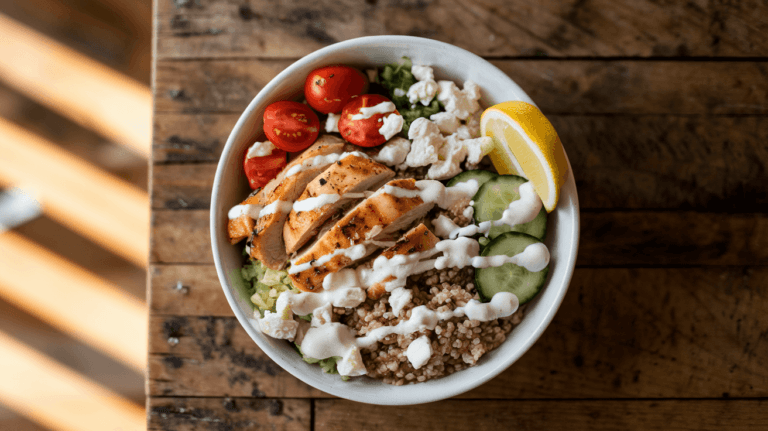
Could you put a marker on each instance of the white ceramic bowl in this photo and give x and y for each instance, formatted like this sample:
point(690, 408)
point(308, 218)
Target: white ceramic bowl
point(230, 188)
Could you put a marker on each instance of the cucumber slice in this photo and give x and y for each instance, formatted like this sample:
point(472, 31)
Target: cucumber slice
point(494, 197)
point(480, 175)
point(509, 277)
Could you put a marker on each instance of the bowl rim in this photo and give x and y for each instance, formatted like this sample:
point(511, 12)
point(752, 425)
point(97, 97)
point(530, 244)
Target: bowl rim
point(418, 397)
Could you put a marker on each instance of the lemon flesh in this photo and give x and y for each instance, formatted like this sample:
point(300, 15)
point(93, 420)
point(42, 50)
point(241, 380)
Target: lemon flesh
point(526, 144)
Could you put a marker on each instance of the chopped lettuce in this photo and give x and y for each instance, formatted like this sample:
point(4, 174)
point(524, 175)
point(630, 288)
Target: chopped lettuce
point(398, 76)
point(265, 285)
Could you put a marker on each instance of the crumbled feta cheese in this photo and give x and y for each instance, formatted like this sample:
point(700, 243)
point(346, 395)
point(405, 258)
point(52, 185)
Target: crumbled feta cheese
point(260, 149)
point(449, 161)
point(473, 124)
point(399, 92)
point(423, 73)
point(477, 148)
point(276, 327)
point(393, 124)
point(399, 298)
point(332, 123)
point(461, 103)
point(322, 315)
point(446, 122)
point(351, 364)
point(419, 352)
point(454, 150)
point(472, 90)
point(422, 91)
point(426, 139)
point(393, 152)
point(444, 226)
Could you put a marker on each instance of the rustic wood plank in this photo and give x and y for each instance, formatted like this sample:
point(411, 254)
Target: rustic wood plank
point(610, 238)
point(189, 414)
point(190, 138)
point(186, 290)
point(535, 415)
point(223, 28)
point(557, 86)
point(619, 162)
point(628, 333)
point(214, 356)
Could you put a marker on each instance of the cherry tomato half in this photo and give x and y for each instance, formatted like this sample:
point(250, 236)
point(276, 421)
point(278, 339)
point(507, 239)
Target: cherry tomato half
point(260, 170)
point(364, 132)
point(329, 88)
point(291, 126)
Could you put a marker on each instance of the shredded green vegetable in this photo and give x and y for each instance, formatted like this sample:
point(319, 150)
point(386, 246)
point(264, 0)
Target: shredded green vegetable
point(265, 285)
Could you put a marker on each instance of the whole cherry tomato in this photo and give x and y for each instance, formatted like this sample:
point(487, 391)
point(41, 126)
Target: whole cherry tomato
point(364, 131)
point(329, 88)
point(291, 126)
point(260, 170)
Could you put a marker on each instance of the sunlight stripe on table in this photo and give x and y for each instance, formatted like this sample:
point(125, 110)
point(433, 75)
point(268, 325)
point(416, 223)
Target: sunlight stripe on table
point(74, 300)
point(57, 397)
point(77, 87)
point(90, 201)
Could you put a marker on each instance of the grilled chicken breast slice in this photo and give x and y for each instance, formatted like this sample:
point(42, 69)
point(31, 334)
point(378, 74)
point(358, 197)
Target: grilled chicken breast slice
point(340, 183)
point(374, 218)
point(415, 240)
point(266, 240)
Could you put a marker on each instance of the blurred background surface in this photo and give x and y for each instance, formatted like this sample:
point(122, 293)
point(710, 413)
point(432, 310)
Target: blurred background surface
point(75, 126)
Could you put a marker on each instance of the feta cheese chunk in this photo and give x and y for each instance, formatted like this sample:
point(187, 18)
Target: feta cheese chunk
point(426, 139)
point(351, 364)
point(449, 161)
point(399, 92)
point(393, 152)
point(423, 73)
point(332, 123)
point(477, 148)
point(399, 298)
point(419, 352)
point(276, 327)
point(260, 149)
point(461, 103)
point(446, 122)
point(422, 91)
point(393, 124)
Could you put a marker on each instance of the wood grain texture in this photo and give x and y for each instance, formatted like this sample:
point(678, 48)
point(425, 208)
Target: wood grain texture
point(494, 415)
point(557, 86)
point(180, 138)
point(610, 238)
point(214, 357)
point(225, 28)
point(200, 293)
point(620, 333)
point(191, 414)
point(619, 162)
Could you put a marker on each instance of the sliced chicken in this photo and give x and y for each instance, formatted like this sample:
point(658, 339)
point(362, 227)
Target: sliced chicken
point(394, 207)
point(241, 227)
point(415, 240)
point(266, 240)
point(339, 184)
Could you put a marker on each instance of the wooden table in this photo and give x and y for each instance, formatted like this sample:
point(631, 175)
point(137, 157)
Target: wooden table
point(662, 111)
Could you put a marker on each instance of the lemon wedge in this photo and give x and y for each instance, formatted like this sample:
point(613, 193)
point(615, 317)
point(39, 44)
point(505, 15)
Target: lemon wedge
point(526, 144)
